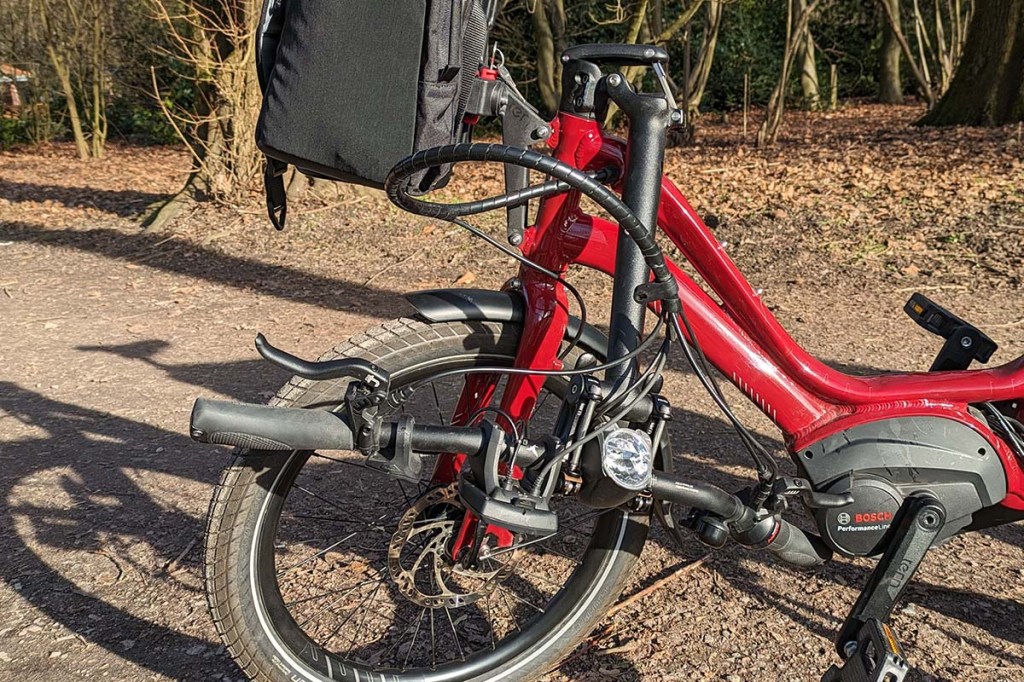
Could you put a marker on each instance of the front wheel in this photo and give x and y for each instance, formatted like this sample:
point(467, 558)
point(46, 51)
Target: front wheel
point(319, 568)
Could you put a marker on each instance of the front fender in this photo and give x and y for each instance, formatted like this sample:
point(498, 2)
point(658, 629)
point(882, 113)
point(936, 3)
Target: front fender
point(478, 305)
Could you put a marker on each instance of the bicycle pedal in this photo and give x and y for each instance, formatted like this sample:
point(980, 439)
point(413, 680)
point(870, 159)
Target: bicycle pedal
point(965, 343)
point(877, 657)
point(514, 511)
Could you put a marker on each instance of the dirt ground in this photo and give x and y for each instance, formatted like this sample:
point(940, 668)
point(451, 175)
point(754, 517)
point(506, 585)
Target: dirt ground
point(108, 333)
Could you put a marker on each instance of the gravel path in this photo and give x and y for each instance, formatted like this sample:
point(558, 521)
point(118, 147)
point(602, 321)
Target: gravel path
point(108, 335)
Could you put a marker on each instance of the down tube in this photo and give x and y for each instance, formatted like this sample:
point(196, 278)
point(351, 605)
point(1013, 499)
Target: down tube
point(699, 246)
point(728, 348)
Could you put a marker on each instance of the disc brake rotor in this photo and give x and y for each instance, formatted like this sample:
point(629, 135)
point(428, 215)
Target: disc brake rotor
point(432, 578)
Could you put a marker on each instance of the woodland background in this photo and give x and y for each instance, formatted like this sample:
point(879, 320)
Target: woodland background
point(180, 72)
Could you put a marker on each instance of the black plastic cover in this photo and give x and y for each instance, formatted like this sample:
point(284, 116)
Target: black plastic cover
point(621, 54)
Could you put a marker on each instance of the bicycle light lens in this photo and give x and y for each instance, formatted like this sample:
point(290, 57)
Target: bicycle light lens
point(627, 458)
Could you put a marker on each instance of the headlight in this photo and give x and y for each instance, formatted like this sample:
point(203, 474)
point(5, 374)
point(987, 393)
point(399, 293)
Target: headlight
point(627, 458)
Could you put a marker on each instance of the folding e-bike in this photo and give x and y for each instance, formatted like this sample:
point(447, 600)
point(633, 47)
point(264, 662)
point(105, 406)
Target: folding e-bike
point(462, 493)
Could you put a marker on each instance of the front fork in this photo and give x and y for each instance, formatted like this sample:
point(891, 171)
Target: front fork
point(543, 330)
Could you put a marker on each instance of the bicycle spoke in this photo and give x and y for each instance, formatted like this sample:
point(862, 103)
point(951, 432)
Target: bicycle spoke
point(405, 622)
point(335, 519)
point(511, 611)
point(331, 605)
point(519, 599)
point(412, 645)
point(408, 500)
point(358, 464)
point(454, 632)
point(543, 400)
point(433, 642)
point(490, 623)
point(366, 611)
point(317, 555)
point(437, 403)
point(352, 613)
point(523, 572)
point(326, 501)
point(322, 595)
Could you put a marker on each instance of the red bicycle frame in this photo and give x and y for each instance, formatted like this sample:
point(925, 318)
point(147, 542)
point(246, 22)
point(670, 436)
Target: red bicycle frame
point(805, 398)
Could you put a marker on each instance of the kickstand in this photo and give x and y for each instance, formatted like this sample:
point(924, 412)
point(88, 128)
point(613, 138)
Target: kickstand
point(865, 642)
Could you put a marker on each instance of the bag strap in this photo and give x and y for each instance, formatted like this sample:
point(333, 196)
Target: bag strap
point(267, 38)
point(277, 195)
point(271, 21)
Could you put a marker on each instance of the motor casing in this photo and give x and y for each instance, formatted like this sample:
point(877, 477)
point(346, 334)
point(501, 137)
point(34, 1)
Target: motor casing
point(884, 462)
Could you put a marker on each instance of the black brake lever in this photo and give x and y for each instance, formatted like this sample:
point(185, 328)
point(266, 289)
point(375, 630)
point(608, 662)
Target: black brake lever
point(357, 368)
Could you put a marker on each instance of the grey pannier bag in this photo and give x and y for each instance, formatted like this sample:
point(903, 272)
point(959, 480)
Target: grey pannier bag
point(351, 87)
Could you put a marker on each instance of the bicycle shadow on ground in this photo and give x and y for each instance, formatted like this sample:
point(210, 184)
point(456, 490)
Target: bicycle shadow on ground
point(90, 453)
point(237, 380)
point(71, 486)
point(122, 203)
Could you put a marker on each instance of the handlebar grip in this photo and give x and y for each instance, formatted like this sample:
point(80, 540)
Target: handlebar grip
point(259, 427)
point(798, 547)
point(262, 427)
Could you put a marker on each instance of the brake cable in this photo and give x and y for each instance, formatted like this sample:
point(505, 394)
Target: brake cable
point(539, 268)
point(765, 464)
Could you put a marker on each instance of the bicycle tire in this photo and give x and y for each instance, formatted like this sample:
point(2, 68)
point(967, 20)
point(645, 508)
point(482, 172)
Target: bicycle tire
point(242, 591)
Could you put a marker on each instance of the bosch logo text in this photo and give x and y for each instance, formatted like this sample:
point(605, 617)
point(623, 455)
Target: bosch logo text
point(872, 517)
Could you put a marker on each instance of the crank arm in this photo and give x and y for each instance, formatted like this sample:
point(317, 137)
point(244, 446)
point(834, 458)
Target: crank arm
point(866, 642)
point(913, 531)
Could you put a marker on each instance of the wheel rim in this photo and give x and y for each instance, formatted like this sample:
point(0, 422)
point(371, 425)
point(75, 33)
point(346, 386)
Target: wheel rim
point(332, 604)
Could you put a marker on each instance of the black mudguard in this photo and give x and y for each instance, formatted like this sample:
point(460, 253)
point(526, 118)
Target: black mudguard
point(453, 305)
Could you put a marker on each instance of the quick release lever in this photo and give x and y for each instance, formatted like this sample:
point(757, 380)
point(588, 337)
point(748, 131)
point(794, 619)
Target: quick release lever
point(788, 487)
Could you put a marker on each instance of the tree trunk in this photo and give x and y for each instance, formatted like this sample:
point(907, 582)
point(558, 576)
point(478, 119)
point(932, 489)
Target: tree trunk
point(98, 53)
point(797, 19)
point(58, 28)
point(923, 83)
point(988, 87)
point(64, 76)
point(890, 85)
point(706, 56)
point(548, 20)
point(808, 65)
point(219, 40)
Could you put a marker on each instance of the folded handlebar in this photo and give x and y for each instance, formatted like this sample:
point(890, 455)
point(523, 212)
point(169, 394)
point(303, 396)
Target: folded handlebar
point(285, 429)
